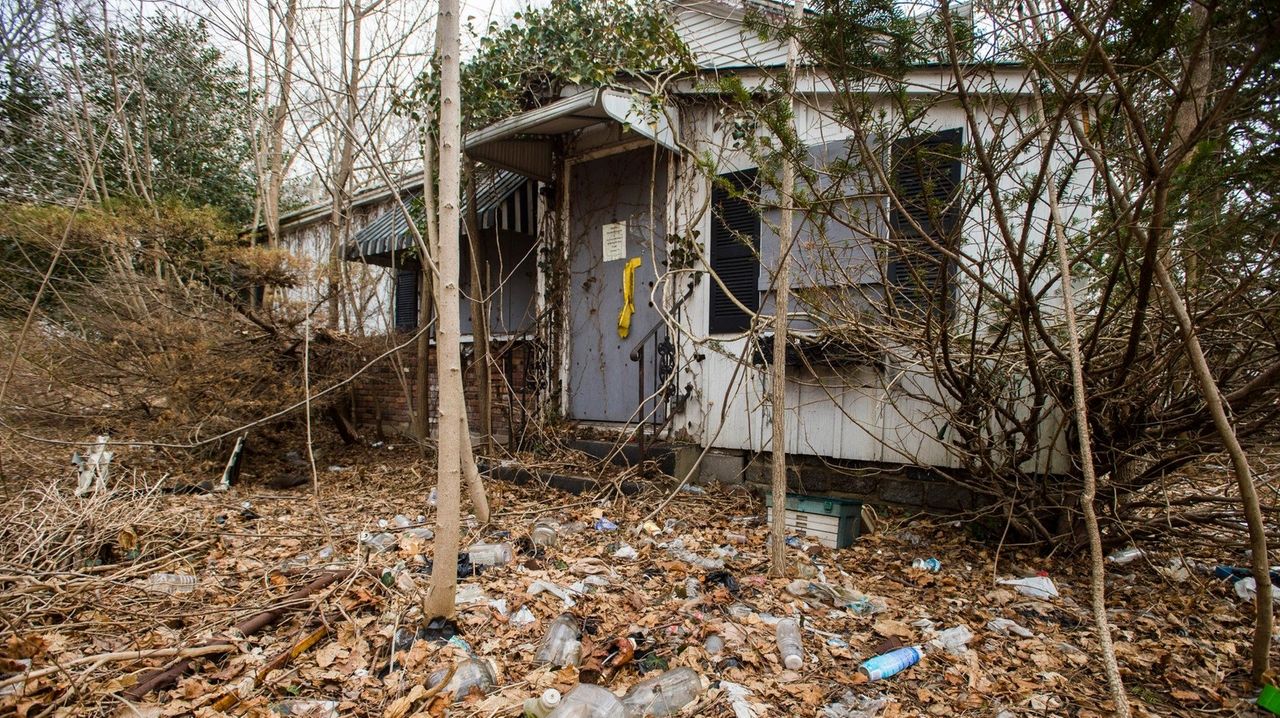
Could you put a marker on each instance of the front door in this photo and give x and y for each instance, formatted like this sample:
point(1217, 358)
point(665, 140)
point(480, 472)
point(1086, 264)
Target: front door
point(617, 207)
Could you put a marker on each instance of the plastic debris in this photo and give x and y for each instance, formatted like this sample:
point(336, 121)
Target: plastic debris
point(742, 708)
point(473, 674)
point(491, 554)
point(626, 552)
point(171, 583)
point(589, 701)
point(538, 587)
point(1124, 555)
point(562, 645)
point(379, 542)
point(603, 524)
point(789, 645)
point(852, 705)
point(469, 593)
point(1034, 586)
point(890, 664)
point(542, 705)
point(523, 617)
point(663, 695)
point(545, 532)
point(932, 565)
point(953, 640)
point(304, 708)
point(1005, 627)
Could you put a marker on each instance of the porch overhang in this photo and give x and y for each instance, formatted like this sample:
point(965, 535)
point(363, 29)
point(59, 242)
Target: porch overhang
point(525, 143)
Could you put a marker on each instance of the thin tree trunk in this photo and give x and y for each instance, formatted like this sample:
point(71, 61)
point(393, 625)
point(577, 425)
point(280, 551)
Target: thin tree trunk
point(781, 293)
point(339, 214)
point(444, 571)
point(279, 114)
point(427, 251)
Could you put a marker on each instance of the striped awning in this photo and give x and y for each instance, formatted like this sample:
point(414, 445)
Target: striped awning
point(506, 200)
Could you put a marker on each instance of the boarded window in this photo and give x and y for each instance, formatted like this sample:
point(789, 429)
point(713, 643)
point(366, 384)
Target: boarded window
point(735, 246)
point(926, 177)
point(406, 299)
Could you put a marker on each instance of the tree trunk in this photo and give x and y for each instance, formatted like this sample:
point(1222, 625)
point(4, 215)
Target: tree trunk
point(444, 571)
point(339, 214)
point(480, 312)
point(781, 293)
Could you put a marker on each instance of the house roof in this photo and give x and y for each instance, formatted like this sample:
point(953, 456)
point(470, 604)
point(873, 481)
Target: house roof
point(525, 143)
point(506, 200)
point(713, 31)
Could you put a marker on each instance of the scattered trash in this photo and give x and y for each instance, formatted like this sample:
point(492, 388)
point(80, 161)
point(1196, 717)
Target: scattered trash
point(723, 578)
point(676, 548)
point(1005, 627)
point(1124, 555)
point(651, 528)
point(379, 542)
point(545, 532)
point(538, 587)
point(1247, 588)
point(523, 617)
point(742, 708)
point(859, 603)
point(953, 640)
point(794, 542)
point(735, 537)
point(852, 705)
point(1236, 573)
point(171, 583)
point(663, 695)
point(231, 472)
point(472, 675)
point(307, 708)
point(94, 469)
point(562, 646)
point(469, 593)
point(603, 524)
point(932, 565)
point(1269, 699)
point(433, 497)
point(692, 589)
point(626, 552)
point(1034, 586)
point(789, 645)
point(889, 664)
point(589, 701)
point(713, 644)
point(491, 554)
point(541, 706)
point(692, 489)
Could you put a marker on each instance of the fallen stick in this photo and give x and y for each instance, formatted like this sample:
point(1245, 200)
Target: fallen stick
point(279, 661)
point(162, 677)
point(102, 659)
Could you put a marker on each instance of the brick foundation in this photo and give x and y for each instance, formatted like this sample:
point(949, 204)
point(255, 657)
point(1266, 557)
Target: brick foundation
point(381, 397)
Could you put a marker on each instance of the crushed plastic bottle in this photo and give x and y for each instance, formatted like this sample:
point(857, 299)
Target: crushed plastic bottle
point(603, 524)
point(379, 542)
point(932, 565)
point(891, 663)
point(171, 583)
point(953, 640)
point(852, 705)
point(562, 645)
point(1005, 627)
point(545, 532)
point(714, 644)
point(491, 554)
point(541, 706)
point(789, 645)
point(306, 708)
point(1124, 555)
point(587, 700)
point(663, 695)
point(1034, 586)
point(472, 674)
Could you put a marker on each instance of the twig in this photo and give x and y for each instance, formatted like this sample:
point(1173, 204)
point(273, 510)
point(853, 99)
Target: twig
point(102, 659)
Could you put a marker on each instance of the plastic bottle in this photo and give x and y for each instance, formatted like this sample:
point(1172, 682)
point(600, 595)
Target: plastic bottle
point(473, 673)
point(932, 565)
point(789, 644)
point(379, 542)
point(589, 701)
point(545, 532)
point(1124, 555)
point(561, 646)
point(663, 695)
point(541, 706)
point(890, 663)
point(491, 554)
point(172, 583)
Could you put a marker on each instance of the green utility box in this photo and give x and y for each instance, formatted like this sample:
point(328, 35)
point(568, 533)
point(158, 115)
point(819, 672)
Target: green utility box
point(834, 522)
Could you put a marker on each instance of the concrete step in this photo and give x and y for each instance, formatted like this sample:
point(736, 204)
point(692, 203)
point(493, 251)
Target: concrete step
point(672, 458)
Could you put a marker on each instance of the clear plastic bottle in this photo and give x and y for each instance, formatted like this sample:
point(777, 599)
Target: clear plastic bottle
point(562, 645)
point(663, 695)
point(1124, 555)
point(932, 565)
point(541, 706)
point(172, 583)
point(545, 532)
point(890, 663)
point(589, 701)
point(789, 645)
point(379, 542)
point(473, 673)
point(491, 554)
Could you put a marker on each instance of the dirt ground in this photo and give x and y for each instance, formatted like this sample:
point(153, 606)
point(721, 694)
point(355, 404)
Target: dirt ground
point(76, 602)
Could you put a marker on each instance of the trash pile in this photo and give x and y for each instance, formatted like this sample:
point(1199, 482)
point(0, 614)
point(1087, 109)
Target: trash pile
point(582, 606)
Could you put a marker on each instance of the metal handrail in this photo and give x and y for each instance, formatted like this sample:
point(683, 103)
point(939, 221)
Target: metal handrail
point(637, 350)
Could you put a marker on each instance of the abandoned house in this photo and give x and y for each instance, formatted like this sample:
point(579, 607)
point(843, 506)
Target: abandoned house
point(625, 267)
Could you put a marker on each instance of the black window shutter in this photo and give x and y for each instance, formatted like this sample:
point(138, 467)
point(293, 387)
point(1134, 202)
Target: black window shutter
point(926, 176)
point(735, 258)
point(406, 299)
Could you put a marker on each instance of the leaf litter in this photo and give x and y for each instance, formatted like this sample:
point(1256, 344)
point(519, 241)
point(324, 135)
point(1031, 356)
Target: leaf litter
point(85, 622)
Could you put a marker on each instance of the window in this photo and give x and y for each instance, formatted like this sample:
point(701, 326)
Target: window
point(926, 176)
point(406, 299)
point(735, 259)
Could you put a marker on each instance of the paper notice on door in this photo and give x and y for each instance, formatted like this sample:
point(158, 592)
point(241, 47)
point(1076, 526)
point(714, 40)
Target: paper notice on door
point(615, 241)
